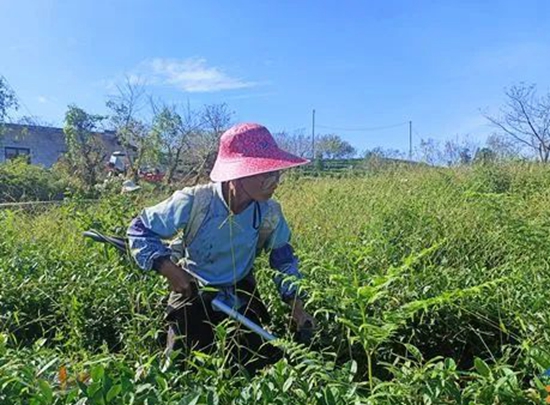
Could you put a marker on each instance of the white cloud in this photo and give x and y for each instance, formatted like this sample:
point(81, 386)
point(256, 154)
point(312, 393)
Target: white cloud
point(191, 75)
point(42, 99)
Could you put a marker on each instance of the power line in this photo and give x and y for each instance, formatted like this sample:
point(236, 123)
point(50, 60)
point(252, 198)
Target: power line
point(19, 99)
point(364, 129)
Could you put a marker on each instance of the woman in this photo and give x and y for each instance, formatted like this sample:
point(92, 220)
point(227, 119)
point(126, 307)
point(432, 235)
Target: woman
point(224, 225)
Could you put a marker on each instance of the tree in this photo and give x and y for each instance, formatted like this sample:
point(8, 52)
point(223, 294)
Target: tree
point(332, 146)
point(132, 132)
point(214, 120)
point(458, 151)
point(296, 143)
point(85, 150)
point(503, 147)
point(450, 152)
point(173, 131)
point(525, 119)
point(166, 128)
point(8, 102)
point(383, 153)
point(378, 158)
point(484, 155)
point(429, 151)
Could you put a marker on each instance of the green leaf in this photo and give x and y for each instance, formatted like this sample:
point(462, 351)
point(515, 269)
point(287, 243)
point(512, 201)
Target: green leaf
point(288, 384)
point(46, 367)
point(143, 387)
point(113, 392)
point(46, 390)
point(450, 364)
point(97, 373)
point(329, 397)
point(413, 350)
point(194, 400)
point(366, 291)
point(93, 388)
point(482, 368)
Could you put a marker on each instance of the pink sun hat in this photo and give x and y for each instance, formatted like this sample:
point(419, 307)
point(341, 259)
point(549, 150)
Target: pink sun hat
point(248, 149)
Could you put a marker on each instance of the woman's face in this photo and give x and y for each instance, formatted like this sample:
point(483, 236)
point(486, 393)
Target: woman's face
point(261, 186)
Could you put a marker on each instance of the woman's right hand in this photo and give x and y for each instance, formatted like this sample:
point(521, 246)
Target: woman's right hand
point(180, 281)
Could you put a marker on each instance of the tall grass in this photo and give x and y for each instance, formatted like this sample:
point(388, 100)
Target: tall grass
point(429, 285)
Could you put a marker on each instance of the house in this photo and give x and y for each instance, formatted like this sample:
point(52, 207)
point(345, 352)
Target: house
point(43, 145)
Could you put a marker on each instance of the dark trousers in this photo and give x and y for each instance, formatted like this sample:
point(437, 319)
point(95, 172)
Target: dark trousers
point(191, 324)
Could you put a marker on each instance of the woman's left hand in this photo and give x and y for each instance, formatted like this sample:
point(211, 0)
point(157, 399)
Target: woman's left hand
point(303, 320)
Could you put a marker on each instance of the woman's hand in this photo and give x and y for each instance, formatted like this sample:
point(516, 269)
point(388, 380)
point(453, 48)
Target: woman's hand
point(303, 320)
point(180, 281)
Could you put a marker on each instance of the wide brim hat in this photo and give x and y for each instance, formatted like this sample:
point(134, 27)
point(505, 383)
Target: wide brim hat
point(248, 149)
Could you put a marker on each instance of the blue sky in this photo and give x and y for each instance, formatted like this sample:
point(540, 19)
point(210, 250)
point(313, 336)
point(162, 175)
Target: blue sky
point(360, 64)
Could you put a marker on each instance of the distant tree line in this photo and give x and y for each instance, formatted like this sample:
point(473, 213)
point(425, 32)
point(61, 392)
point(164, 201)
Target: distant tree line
point(183, 140)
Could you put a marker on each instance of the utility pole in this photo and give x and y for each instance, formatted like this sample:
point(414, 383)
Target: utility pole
point(313, 136)
point(410, 140)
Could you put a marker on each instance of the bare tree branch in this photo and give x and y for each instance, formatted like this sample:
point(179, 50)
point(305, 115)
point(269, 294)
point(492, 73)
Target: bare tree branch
point(525, 118)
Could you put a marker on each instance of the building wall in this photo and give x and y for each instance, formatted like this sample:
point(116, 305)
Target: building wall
point(46, 144)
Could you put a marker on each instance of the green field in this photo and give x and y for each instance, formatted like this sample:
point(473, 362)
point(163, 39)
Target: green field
point(430, 286)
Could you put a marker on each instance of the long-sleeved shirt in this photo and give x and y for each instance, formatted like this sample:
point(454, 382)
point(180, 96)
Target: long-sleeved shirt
point(223, 249)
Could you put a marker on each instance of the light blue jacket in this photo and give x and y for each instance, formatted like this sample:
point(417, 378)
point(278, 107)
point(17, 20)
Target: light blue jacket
point(224, 248)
